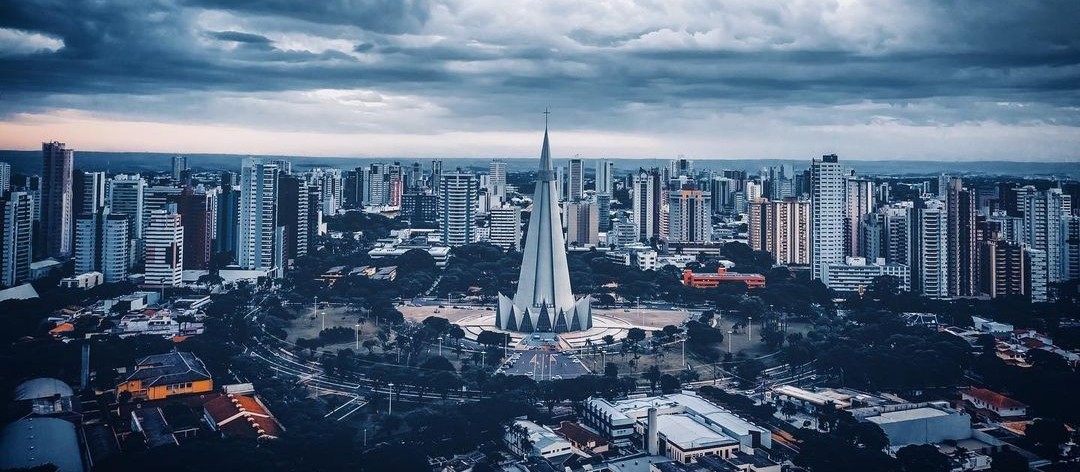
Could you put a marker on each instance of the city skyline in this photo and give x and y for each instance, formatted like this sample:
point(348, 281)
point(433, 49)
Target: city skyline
point(432, 79)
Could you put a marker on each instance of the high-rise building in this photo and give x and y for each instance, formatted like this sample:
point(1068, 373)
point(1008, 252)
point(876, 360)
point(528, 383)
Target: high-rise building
point(179, 165)
point(16, 237)
point(605, 176)
point(887, 233)
point(89, 188)
point(582, 223)
point(647, 199)
point(293, 214)
point(353, 193)
point(1002, 268)
point(603, 209)
point(457, 208)
point(544, 300)
point(196, 216)
point(857, 274)
point(497, 179)
point(284, 166)
point(781, 228)
point(505, 226)
point(257, 244)
point(158, 197)
point(722, 190)
point(780, 183)
point(56, 199)
point(376, 184)
point(859, 201)
point(576, 170)
point(417, 208)
point(1070, 258)
point(228, 220)
point(125, 195)
point(436, 175)
point(680, 167)
point(960, 239)
point(1042, 228)
point(164, 249)
point(1036, 278)
point(689, 215)
point(827, 191)
point(5, 178)
point(931, 258)
point(102, 244)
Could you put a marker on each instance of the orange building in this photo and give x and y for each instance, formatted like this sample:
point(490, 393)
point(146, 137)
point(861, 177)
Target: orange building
point(721, 276)
point(163, 375)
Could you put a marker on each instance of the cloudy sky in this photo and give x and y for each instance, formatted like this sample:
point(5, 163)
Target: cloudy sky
point(920, 79)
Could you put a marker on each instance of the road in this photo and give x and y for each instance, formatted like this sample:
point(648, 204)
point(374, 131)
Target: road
point(546, 365)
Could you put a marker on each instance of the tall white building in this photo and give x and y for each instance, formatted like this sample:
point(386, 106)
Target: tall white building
point(92, 192)
point(102, 245)
point(689, 216)
point(179, 164)
point(257, 244)
point(1070, 253)
point(164, 249)
point(124, 195)
point(647, 202)
point(5, 178)
point(577, 179)
point(497, 179)
point(505, 226)
point(827, 191)
point(1043, 228)
point(605, 176)
point(16, 223)
point(931, 257)
point(458, 192)
point(582, 223)
point(781, 228)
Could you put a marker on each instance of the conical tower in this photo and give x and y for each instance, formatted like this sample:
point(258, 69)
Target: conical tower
point(544, 282)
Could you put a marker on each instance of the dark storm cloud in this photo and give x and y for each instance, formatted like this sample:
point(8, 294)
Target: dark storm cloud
point(969, 51)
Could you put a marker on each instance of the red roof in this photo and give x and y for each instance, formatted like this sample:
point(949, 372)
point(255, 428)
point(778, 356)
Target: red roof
point(577, 434)
point(241, 415)
point(995, 399)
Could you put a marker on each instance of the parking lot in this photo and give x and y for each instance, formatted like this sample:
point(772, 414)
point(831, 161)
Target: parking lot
point(544, 365)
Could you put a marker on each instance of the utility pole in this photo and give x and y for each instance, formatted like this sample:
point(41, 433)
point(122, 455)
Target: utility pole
point(390, 409)
point(358, 337)
point(749, 327)
point(684, 350)
point(730, 334)
point(440, 346)
point(642, 313)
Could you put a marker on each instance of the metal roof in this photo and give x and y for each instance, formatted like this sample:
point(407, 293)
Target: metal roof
point(44, 387)
point(34, 442)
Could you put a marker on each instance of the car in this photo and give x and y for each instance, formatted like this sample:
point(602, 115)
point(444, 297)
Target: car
point(536, 336)
point(556, 377)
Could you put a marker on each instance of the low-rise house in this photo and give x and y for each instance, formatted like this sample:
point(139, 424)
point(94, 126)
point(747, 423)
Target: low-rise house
point(989, 403)
point(163, 375)
point(241, 416)
point(582, 438)
point(525, 438)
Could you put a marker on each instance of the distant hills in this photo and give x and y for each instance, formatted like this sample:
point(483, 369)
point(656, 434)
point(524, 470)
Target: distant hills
point(29, 162)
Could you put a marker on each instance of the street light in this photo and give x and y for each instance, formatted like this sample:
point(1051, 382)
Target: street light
point(390, 408)
point(357, 337)
point(642, 313)
point(731, 334)
point(749, 327)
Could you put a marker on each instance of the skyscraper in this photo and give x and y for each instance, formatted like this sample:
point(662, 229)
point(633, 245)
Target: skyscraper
point(961, 245)
point(102, 244)
point(931, 257)
point(16, 237)
point(5, 178)
point(89, 192)
point(164, 249)
point(257, 245)
point(1003, 268)
point(228, 218)
point(505, 226)
point(179, 165)
point(544, 300)
point(457, 208)
point(196, 215)
point(603, 209)
point(689, 215)
point(56, 199)
point(582, 223)
point(418, 208)
point(781, 228)
point(827, 189)
point(605, 176)
point(577, 179)
point(859, 202)
point(436, 175)
point(647, 200)
point(293, 214)
point(1070, 259)
point(497, 179)
point(887, 234)
point(1042, 228)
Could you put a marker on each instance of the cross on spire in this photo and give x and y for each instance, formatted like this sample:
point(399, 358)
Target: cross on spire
point(546, 113)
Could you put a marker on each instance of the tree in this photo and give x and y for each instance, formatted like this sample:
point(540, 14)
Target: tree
point(669, 383)
point(611, 370)
point(438, 363)
point(789, 409)
point(635, 335)
point(370, 345)
point(922, 458)
point(1047, 436)
point(609, 339)
point(1008, 460)
point(437, 324)
point(748, 372)
point(492, 338)
point(653, 376)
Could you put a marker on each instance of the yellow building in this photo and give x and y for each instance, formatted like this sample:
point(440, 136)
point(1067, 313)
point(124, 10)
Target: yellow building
point(163, 375)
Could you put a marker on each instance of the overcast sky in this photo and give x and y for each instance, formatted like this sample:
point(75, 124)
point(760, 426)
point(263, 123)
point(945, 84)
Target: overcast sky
point(935, 79)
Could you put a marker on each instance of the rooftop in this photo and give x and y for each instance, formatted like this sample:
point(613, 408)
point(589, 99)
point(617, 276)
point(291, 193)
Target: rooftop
point(44, 387)
point(993, 398)
point(688, 433)
point(35, 442)
point(169, 368)
point(906, 415)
